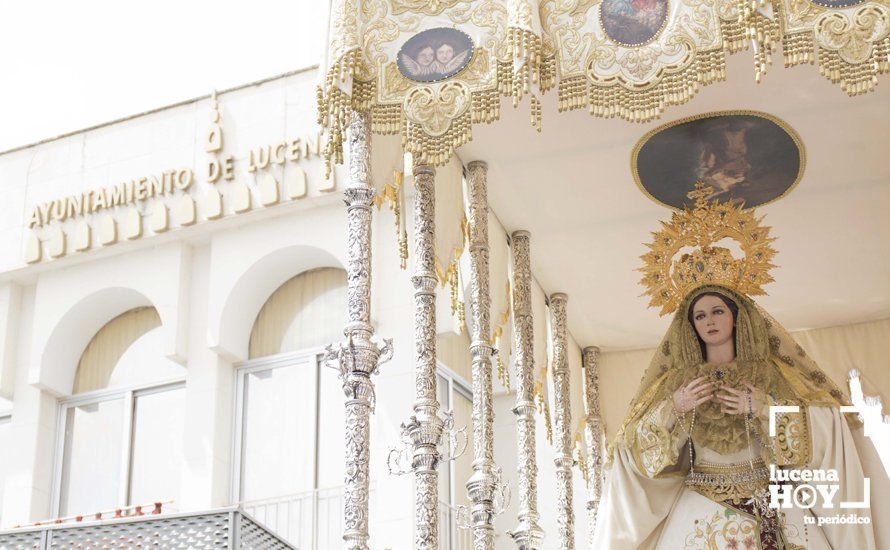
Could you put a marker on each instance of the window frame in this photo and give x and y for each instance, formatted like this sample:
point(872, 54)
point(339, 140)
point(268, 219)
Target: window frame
point(313, 356)
point(5, 416)
point(129, 396)
point(456, 384)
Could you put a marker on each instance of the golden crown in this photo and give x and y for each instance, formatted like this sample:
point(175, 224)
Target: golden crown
point(669, 281)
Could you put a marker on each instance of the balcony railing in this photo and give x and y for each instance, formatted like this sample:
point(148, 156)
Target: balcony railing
point(313, 520)
point(310, 520)
point(222, 528)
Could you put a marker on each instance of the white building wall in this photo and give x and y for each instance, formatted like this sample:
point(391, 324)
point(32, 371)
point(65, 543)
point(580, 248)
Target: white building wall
point(27, 493)
point(50, 310)
point(10, 313)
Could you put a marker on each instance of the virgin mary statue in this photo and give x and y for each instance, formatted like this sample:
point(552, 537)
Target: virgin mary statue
point(699, 461)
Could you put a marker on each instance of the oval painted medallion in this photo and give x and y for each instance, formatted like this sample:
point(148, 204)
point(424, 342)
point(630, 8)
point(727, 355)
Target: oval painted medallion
point(837, 3)
point(745, 157)
point(435, 54)
point(633, 22)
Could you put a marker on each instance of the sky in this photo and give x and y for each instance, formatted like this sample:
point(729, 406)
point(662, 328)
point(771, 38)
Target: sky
point(70, 64)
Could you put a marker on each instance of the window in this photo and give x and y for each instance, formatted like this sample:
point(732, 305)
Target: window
point(289, 429)
point(289, 447)
point(121, 437)
point(156, 455)
point(120, 449)
point(289, 422)
point(92, 468)
point(278, 430)
point(5, 437)
point(454, 395)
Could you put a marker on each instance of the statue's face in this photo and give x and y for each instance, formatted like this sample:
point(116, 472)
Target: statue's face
point(425, 56)
point(445, 53)
point(713, 320)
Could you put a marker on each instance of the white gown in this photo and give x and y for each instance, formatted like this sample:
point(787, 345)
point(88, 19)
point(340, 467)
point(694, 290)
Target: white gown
point(656, 509)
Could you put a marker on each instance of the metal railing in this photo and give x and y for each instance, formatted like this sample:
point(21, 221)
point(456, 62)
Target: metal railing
point(310, 520)
point(313, 520)
point(221, 528)
point(133, 510)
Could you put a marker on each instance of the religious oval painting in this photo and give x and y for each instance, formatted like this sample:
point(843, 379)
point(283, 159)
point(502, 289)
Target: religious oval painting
point(435, 54)
point(633, 22)
point(745, 157)
point(837, 3)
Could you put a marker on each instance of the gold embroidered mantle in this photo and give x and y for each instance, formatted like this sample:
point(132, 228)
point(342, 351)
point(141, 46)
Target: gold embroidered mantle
point(766, 355)
point(656, 441)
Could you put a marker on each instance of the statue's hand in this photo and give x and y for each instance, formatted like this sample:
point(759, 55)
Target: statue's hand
point(741, 401)
point(692, 395)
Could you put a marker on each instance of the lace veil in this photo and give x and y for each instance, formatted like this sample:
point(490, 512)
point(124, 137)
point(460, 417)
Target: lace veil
point(765, 352)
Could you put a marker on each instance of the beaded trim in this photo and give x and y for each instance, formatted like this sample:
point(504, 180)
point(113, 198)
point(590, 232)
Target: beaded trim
point(721, 482)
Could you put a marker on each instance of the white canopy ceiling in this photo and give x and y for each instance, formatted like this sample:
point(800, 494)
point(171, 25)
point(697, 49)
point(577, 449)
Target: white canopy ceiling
point(572, 187)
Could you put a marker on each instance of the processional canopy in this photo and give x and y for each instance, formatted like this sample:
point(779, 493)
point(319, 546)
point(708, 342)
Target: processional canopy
point(429, 70)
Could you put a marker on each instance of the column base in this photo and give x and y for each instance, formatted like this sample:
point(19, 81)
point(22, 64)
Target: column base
point(528, 535)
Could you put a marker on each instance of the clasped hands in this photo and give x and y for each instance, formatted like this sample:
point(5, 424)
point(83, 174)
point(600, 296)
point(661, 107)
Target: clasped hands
point(733, 401)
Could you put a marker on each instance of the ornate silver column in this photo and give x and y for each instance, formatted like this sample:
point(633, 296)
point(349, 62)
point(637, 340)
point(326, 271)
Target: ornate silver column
point(565, 517)
point(427, 438)
point(485, 484)
point(528, 535)
point(359, 357)
point(424, 429)
point(593, 434)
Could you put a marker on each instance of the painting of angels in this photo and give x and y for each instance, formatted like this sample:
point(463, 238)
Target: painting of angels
point(435, 54)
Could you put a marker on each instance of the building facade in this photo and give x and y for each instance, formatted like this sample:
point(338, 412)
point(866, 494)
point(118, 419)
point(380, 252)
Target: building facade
point(165, 312)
